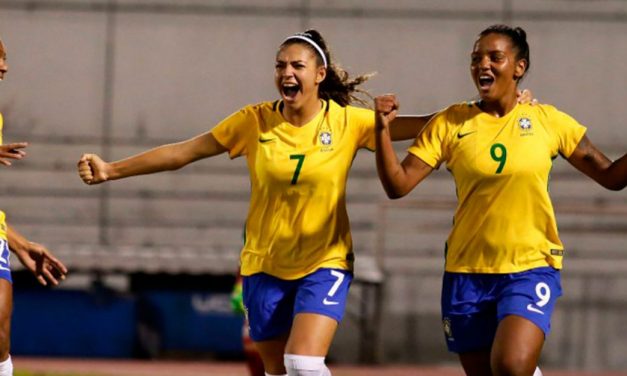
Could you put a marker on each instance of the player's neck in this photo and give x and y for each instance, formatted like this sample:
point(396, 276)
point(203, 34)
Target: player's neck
point(499, 107)
point(304, 114)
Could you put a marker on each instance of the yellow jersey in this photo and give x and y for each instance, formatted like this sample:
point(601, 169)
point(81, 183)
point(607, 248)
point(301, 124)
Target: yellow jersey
point(3, 226)
point(297, 220)
point(504, 221)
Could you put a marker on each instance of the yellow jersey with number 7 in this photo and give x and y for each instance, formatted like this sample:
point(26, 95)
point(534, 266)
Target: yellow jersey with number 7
point(504, 221)
point(297, 220)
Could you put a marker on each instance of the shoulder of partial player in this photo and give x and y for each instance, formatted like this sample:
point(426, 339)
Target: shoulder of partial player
point(453, 117)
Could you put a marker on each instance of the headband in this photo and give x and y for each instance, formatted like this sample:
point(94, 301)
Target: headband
point(305, 37)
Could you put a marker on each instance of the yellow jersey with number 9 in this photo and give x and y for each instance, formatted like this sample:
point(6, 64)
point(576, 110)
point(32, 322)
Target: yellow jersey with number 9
point(297, 220)
point(504, 221)
point(3, 226)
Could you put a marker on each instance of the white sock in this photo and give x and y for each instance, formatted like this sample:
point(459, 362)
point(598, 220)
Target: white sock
point(305, 365)
point(537, 372)
point(6, 367)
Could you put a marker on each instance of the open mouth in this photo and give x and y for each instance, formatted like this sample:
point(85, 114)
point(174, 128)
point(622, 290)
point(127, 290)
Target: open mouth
point(290, 90)
point(485, 81)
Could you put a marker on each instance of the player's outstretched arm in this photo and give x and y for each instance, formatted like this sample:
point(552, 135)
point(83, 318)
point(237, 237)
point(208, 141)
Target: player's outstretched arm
point(407, 127)
point(93, 170)
point(36, 258)
point(397, 178)
point(12, 151)
point(592, 162)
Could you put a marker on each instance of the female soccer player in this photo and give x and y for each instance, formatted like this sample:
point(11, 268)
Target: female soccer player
point(33, 256)
point(297, 259)
point(503, 254)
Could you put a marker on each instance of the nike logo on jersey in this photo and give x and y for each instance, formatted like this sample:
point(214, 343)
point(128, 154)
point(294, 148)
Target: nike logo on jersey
point(462, 135)
point(264, 140)
point(329, 302)
point(531, 308)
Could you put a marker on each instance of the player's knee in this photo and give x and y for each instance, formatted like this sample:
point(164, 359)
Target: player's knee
point(514, 364)
point(304, 365)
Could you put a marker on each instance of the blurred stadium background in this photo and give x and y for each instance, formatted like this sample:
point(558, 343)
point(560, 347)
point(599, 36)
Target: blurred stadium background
point(153, 258)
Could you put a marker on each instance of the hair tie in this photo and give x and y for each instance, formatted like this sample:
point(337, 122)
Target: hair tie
point(305, 37)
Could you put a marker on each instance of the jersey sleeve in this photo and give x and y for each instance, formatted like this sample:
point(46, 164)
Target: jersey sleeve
point(430, 144)
point(236, 131)
point(0, 129)
point(567, 131)
point(362, 121)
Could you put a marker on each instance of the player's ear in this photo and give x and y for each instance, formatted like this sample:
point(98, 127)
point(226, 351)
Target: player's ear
point(321, 74)
point(520, 69)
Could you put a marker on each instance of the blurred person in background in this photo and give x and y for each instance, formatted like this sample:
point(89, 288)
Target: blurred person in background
point(35, 257)
point(297, 260)
point(503, 255)
point(253, 359)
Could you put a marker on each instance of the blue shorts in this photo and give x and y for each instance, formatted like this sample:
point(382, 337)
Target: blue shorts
point(271, 303)
point(5, 264)
point(474, 304)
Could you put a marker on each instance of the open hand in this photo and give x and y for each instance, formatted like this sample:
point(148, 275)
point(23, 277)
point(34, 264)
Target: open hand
point(12, 151)
point(42, 264)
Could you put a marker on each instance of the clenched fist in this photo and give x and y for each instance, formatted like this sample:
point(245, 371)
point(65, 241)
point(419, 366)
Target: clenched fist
point(385, 107)
point(92, 169)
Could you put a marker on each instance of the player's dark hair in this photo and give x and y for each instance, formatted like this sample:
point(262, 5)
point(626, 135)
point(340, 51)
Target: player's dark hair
point(337, 84)
point(518, 36)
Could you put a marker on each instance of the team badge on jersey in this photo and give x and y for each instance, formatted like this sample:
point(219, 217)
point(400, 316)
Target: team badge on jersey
point(524, 123)
point(325, 138)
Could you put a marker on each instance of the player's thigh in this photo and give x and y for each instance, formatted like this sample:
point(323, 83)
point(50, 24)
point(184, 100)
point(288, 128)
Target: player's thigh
point(311, 334)
point(517, 346)
point(531, 294)
point(6, 308)
point(319, 308)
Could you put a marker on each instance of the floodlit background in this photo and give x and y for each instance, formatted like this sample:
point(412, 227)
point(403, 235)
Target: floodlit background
point(153, 258)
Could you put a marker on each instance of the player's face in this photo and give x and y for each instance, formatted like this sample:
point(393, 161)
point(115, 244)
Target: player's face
point(3, 61)
point(494, 68)
point(297, 75)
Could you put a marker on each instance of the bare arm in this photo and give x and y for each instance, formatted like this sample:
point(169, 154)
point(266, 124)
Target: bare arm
point(397, 179)
point(36, 258)
point(407, 127)
point(592, 162)
point(93, 170)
